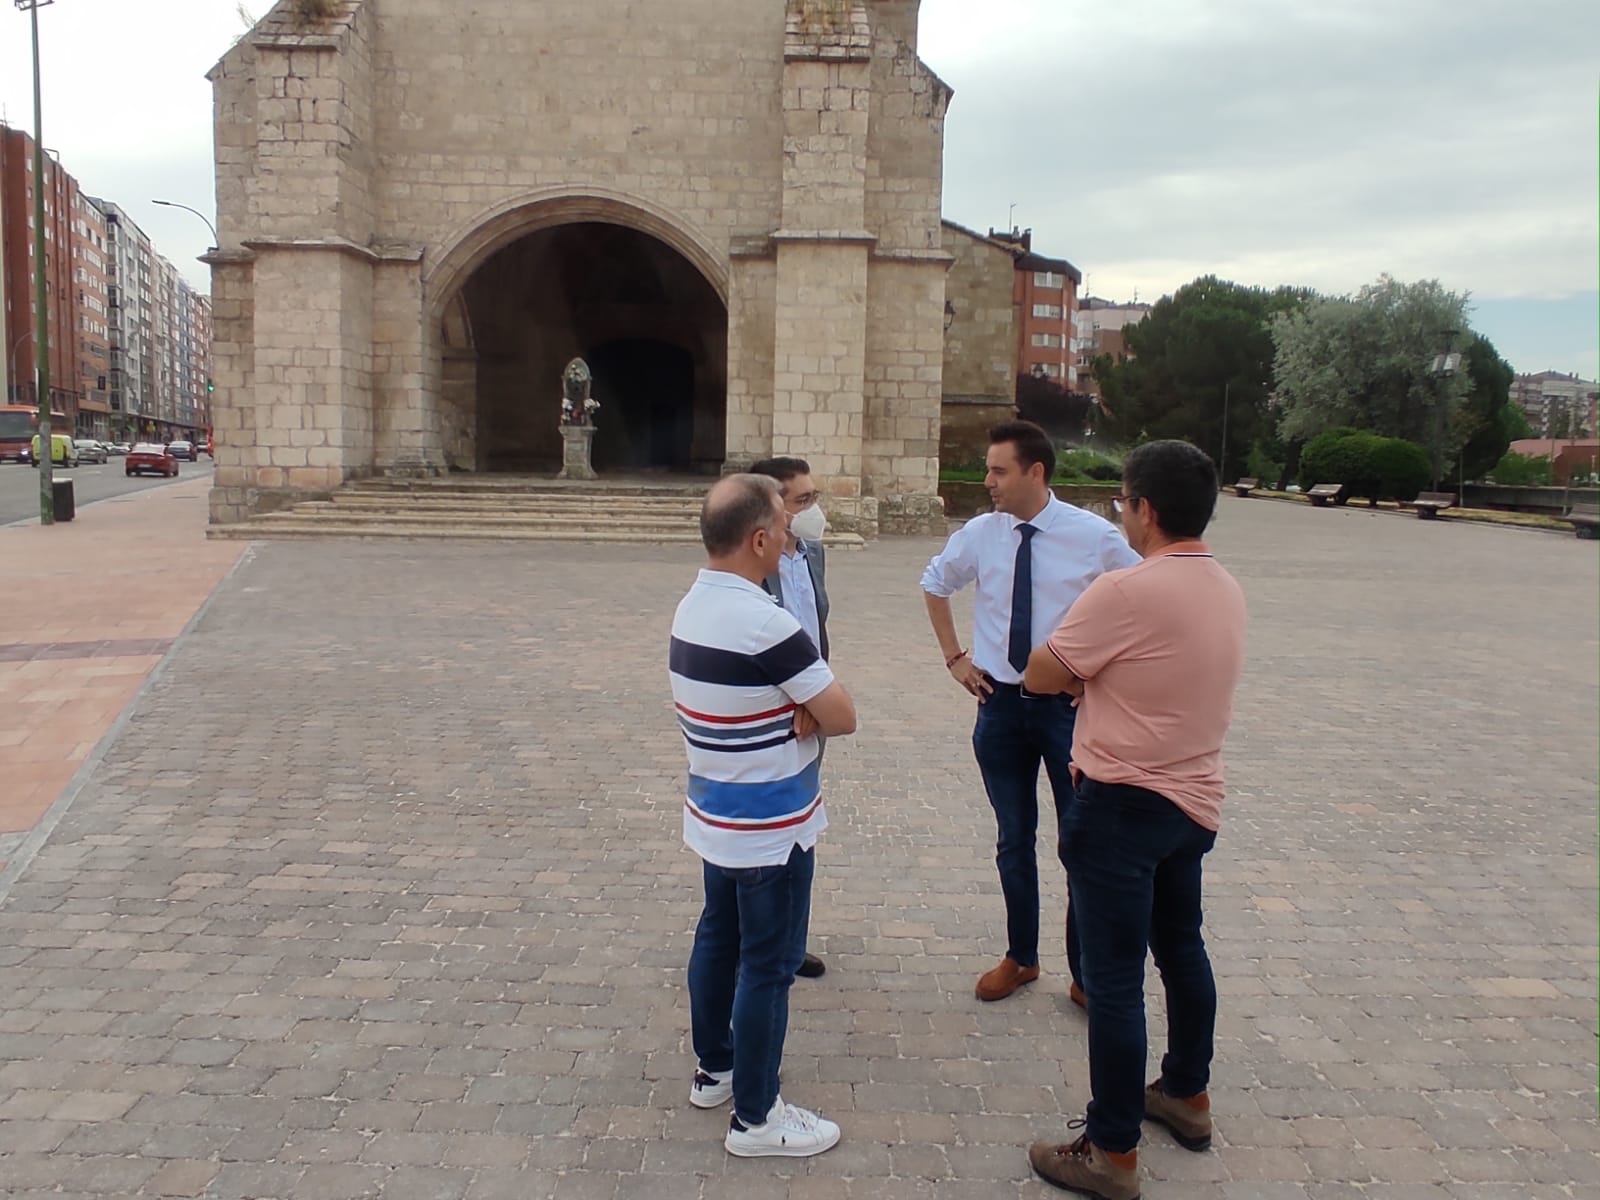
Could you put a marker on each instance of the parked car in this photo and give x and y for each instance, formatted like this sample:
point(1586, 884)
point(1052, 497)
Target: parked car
point(150, 458)
point(63, 451)
point(184, 450)
point(90, 450)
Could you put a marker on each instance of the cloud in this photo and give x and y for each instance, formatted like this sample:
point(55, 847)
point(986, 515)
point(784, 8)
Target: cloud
point(1316, 142)
point(1283, 142)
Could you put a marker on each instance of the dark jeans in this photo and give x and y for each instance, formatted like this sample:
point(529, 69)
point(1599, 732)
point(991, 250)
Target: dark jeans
point(1133, 866)
point(747, 947)
point(1013, 735)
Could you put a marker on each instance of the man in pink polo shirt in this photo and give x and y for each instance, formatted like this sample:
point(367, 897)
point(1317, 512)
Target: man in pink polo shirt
point(1155, 652)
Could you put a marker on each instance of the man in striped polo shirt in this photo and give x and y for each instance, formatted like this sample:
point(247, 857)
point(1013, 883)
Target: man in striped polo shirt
point(752, 693)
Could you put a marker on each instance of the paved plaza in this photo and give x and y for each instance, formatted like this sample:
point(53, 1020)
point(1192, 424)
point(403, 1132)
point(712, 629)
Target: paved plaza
point(380, 892)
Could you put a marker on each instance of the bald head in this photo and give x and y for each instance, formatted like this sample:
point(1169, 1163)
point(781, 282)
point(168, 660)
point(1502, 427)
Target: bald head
point(735, 508)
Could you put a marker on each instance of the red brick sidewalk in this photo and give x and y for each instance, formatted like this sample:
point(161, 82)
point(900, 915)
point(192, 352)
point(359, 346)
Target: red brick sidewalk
point(90, 606)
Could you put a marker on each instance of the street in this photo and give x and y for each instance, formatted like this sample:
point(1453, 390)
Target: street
point(19, 485)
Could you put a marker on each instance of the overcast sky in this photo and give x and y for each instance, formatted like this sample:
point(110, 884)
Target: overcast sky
point(1312, 142)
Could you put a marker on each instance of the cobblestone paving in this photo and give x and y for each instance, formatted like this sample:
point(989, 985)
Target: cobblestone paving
point(380, 893)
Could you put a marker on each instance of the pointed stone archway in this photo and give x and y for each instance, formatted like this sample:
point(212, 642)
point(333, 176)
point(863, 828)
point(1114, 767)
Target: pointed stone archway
point(542, 290)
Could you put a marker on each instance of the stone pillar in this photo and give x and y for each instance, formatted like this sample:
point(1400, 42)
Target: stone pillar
point(295, 165)
point(752, 291)
point(819, 346)
point(312, 372)
point(577, 445)
point(410, 376)
point(233, 407)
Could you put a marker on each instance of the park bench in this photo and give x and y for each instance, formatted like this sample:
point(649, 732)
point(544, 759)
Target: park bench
point(1324, 492)
point(1584, 519)
point(1430, 504)
point(1245, 486)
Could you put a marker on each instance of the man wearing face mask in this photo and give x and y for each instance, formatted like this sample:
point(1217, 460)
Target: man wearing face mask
point(800, 582)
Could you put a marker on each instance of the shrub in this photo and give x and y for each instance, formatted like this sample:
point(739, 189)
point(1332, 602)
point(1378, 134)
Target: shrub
point(1258, 466)
point(1402, 469)
point(1522, 470)
point(1377, 468)
point(1086, 464)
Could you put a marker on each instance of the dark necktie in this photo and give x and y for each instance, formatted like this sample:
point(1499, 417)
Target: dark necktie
point(1022, 601)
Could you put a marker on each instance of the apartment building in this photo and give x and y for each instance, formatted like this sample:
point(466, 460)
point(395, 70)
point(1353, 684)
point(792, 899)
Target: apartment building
point(1558, 404)
point(129, 256)
point(92, 310)
point(17, 240)
point(1098, 329)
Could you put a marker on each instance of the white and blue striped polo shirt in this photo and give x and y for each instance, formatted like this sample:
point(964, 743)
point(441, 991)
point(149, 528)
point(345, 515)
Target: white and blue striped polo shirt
point(740, 665)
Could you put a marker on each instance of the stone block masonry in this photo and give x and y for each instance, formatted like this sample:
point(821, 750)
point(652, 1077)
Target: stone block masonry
point(371, 164)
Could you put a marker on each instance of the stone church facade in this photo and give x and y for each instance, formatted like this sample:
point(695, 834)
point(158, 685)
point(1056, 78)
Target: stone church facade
point(732, 210)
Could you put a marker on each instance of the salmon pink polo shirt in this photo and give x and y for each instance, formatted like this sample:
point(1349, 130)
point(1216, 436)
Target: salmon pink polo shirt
point(1160, 647)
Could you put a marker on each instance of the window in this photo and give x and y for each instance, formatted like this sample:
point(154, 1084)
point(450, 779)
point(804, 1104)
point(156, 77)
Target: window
point(1048, 370)
point(1049, 340)
point(1052, 311)
point(1048, 279)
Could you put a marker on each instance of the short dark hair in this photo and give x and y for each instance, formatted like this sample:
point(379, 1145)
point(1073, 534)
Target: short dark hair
point(782, 469)
point(739, 510)
point(1032, 444)
point(1180, 482)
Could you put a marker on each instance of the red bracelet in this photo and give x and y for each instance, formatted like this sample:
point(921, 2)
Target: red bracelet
point(954, 659)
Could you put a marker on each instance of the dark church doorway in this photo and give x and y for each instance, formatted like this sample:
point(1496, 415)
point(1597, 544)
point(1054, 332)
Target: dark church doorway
point(652, 329)
point(646, 392)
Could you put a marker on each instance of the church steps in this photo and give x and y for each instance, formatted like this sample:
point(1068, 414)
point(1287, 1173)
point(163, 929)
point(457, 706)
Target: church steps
point(599, 514)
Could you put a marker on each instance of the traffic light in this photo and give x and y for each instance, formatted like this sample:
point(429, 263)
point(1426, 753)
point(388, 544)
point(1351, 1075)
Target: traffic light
point(210, 387)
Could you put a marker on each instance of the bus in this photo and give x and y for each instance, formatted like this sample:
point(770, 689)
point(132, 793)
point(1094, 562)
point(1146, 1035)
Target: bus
point(18, 424)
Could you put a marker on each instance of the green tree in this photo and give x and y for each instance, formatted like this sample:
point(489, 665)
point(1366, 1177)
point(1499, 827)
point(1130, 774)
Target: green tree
point(1488, 422)
point(1205, 348)
point(1062, 414)
point(1522, 470)
point(1366, 361)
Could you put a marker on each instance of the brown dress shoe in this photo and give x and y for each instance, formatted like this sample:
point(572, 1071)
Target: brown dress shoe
point(1188, 1119)
point(1083, 1167)
point(1001, 981)
point(1075, 994)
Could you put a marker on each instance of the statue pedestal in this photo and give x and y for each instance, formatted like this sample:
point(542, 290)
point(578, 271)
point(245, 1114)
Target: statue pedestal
point(575, 458)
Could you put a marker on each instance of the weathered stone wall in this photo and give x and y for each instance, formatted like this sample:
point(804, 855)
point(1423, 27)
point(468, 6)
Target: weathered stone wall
point(979, 369)
point(791, 150)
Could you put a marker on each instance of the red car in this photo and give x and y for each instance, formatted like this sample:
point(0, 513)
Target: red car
point(149, 457)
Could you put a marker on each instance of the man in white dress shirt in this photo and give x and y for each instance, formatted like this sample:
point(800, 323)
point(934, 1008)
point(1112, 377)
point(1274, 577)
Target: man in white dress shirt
point(800, 583)
point(1031, 559)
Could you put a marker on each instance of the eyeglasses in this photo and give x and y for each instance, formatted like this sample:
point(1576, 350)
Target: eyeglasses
point(1122, 503)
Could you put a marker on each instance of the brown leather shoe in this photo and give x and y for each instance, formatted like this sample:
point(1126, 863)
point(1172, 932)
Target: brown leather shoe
point(1075, 994)
point(1001, 981)
point(1083, 1167)
point(1188, 1118)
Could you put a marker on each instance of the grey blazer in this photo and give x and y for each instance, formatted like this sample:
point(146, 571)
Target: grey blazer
point(817, 561)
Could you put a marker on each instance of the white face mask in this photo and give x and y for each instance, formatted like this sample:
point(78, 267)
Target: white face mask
point(809, 524)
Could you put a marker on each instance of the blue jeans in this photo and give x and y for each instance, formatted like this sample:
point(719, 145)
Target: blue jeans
point(1012, 736)
point(1133, 867)
point(747, 947)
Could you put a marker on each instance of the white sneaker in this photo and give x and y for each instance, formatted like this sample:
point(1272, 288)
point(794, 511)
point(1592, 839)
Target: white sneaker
point(789, 1132)
point(710, 1089)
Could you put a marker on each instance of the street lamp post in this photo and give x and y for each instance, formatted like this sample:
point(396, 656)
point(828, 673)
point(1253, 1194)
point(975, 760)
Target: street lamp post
point(41, 373)
point(1444, 365)
point(215, 241)
point(1222, 463)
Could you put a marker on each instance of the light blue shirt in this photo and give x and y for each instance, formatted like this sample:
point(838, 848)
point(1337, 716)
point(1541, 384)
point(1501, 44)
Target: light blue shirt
point(1071, 550)
point(799, 594)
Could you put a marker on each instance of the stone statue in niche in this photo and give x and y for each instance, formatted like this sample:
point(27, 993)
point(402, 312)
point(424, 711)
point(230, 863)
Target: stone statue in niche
point(577, 421)
point(577, 405)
